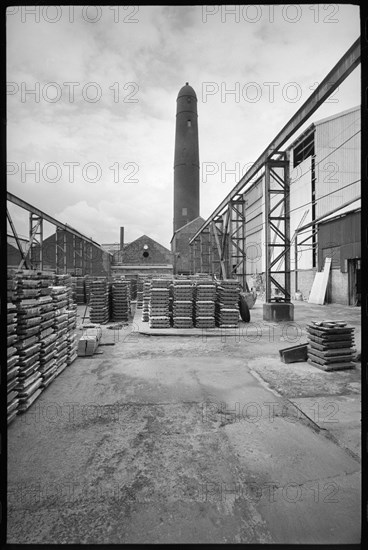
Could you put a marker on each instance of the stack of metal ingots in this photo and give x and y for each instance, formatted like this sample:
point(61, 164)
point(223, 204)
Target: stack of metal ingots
point(99, 301)
point(60, 327)
point(32, 292)
point(120, 300)
point(182, 305)
point(204, 305)
point(12, 362)
point(330, 345)
point(80, 292)
point(48, 367)
point(227, 303)
point(65, 279)
point(140, 284)
point(72, 340)
point(74, 289)
point(146, 300)
point(159, 316)
point(87, 288)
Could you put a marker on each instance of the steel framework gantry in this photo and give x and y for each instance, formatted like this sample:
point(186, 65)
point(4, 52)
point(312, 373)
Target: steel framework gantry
point(227, 243)
point(329, 84)
point(277, 226)
point(33, 255)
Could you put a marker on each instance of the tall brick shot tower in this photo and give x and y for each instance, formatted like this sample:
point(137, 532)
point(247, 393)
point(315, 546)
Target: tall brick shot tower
point(186, 159)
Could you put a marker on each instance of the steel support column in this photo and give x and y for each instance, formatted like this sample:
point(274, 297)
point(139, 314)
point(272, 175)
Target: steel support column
point(34, 227)
point(329, 84)
point(237, 240)
point(277, 209)
point(201, 253)
point(17, 240)
point(36, 230)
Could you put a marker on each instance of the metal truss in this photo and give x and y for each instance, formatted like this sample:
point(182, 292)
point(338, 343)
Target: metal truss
point(277, 226)
point(221, 249)
point(33, 254)
point(226, 235)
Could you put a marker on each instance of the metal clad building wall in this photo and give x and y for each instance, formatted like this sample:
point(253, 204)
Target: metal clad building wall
point(300, 203)
point(340, 239)
point(254, 217)
point(337, 163)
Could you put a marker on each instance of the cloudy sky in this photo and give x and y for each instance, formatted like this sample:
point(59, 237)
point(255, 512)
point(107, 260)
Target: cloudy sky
point(92, 99)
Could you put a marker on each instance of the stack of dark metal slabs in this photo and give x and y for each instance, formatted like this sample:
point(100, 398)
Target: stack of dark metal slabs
point(47, 339)
point(146, 300)
point(29, 377)
point(71, 339)
point(227, 300)
point(65, 279)
point(60, 328)
point(46, 283)
point(48, 366)
point(99, 301)
point(80, 291)
point(74, 289)
point(182, 305)
point(140, 284)
point(330, 345)
point(160, 322)
point(12, 364)
point(35, 318)
point(47, 312)
point(87, 287)
point(28, 346)
point(204, 303)
point(159, 315)
point(11, 286)
point(28, 285)
point(120, 300)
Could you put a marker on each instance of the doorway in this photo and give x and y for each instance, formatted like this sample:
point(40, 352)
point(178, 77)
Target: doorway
point(354, 270)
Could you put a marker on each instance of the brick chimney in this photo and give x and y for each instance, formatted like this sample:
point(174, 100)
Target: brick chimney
point(121, 238)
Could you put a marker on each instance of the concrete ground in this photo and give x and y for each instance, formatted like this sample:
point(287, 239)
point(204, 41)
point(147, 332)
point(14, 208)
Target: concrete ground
point(172, 439)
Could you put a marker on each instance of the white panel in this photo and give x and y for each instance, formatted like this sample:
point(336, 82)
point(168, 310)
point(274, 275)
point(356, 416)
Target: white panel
point(301, 211)
point(338, 150)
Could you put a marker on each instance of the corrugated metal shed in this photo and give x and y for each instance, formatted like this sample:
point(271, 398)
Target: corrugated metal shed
point(337, 160)
point(301, 210)
point(340, 238)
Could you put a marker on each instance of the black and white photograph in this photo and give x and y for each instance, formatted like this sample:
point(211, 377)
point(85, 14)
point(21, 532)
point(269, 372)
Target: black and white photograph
point(183, 274)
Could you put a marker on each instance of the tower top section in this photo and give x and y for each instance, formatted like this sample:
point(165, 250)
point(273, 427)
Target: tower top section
point(186, 101)
point(187, 91)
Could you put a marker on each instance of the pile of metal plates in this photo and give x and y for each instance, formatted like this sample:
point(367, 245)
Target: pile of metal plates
point(65, 279)
point(330, 345)
point(99, 301)
point(12, 286)
point(146, 300)
point(120, 300)
point(48, 366)
point(80, 291)
point(60, 299)
point(87, 287)
point(39, 325)
point(72, 342)
point(182, 306)
point(159, 316)
point(74, 288)
point(32, 292)
point(204, 304)
point(12, 363)
point(227, 303)
point(140, 284)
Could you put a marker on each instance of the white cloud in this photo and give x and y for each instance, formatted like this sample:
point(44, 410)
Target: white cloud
point(149, 61)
